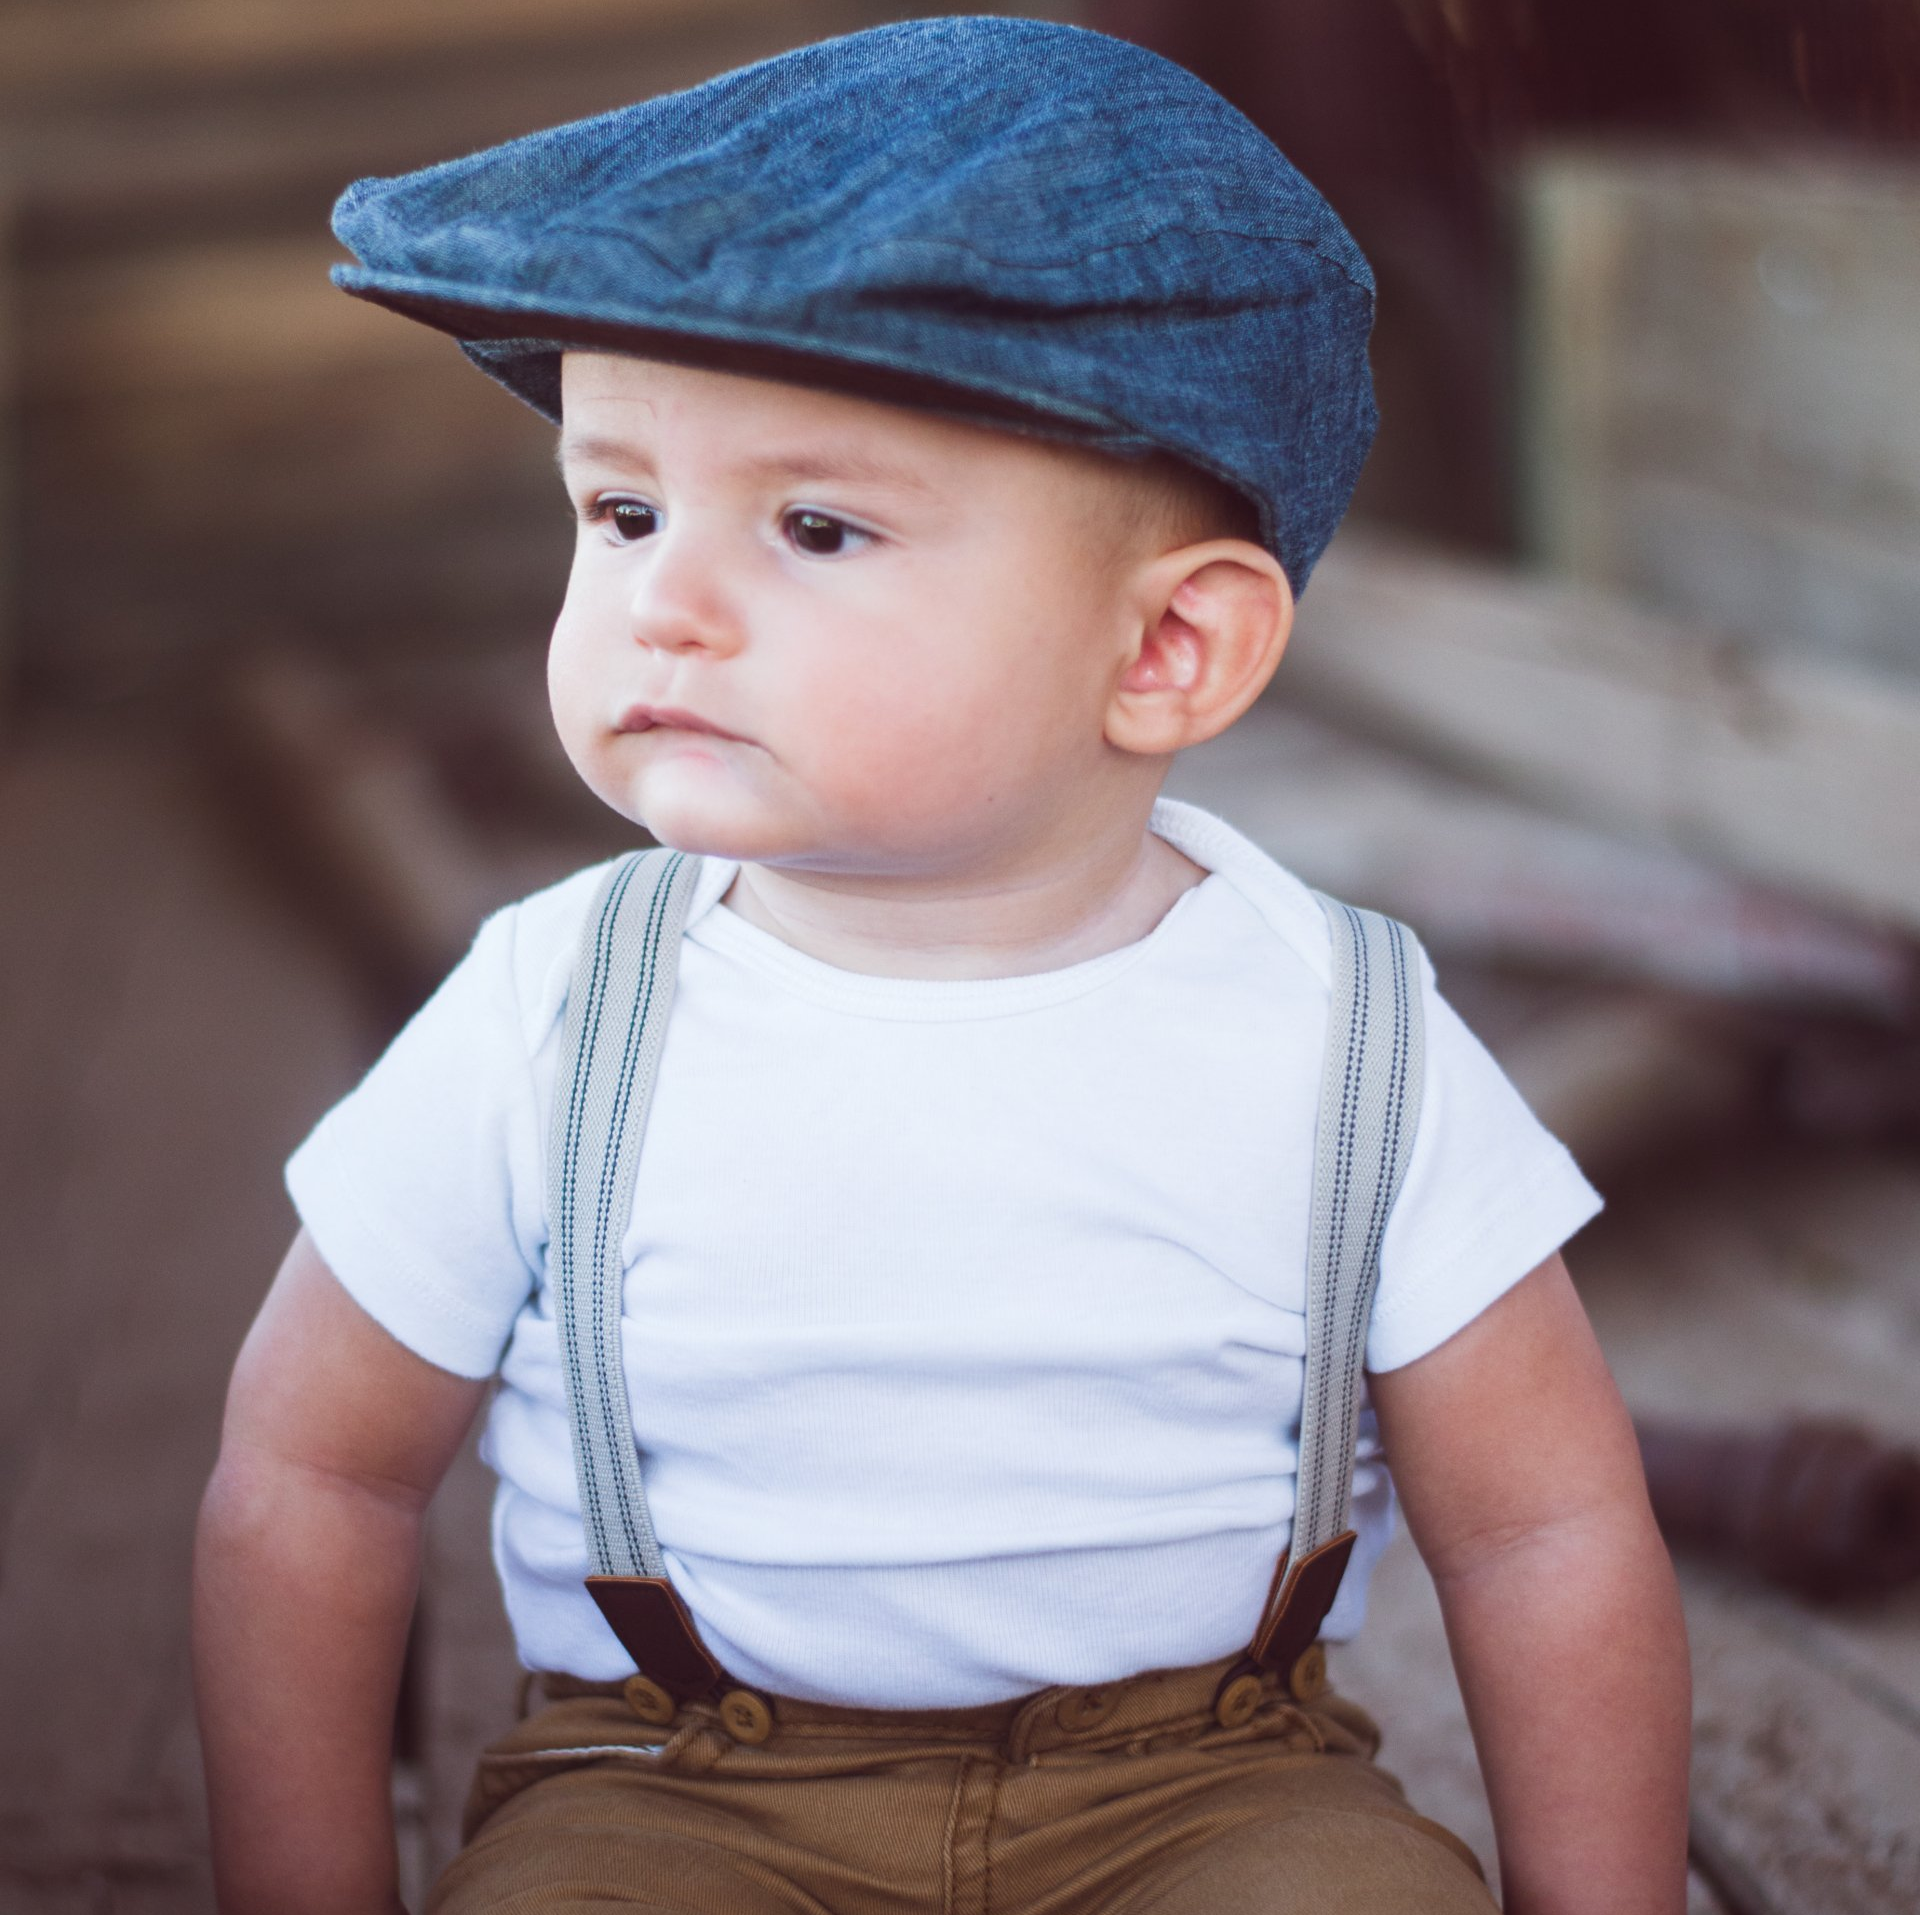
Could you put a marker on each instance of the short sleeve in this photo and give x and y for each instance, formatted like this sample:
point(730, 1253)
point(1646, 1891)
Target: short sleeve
point(1490, 1194)
point(422, 1188)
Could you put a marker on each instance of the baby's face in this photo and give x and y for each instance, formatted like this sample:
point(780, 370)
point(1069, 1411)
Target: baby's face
point(810, 630)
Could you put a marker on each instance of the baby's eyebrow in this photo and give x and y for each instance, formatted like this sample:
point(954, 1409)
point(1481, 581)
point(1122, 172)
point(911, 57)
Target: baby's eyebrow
point(839, 462)
point(585, 447)
point(836, 462)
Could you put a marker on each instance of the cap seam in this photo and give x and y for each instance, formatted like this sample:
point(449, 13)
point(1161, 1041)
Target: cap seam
point(1305, 243)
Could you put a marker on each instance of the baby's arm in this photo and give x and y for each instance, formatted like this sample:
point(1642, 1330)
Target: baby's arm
point(1516, 1462)
point(304, 1579)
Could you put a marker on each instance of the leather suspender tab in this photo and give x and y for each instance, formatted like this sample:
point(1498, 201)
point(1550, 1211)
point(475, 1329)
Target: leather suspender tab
point(1307, 1589)
point(646, 1613)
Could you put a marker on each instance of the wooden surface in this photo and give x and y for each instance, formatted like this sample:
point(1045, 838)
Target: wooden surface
point(9, 451)
point(170, 1034)
point(467, 1672)
point(1795, 770)
point(1490, 877)
point(1741, 1289)
point(65, 46)
point(166, 1040)
point(1749, 1288)
point(1723, 394)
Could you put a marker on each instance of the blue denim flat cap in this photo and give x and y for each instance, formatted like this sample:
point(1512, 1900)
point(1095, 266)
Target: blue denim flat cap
point(1009, 221)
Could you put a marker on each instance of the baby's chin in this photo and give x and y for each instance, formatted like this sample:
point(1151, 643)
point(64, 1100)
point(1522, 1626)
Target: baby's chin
point(786, 845)
point(708, 810)
point(741, 833)
point(700, 807)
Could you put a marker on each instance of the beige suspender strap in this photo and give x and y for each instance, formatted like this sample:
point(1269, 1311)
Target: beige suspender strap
point(1369, 1108)
point(616, 1026)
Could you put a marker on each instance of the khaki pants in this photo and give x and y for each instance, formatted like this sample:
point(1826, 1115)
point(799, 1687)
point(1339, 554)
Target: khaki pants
point(1132, 1798)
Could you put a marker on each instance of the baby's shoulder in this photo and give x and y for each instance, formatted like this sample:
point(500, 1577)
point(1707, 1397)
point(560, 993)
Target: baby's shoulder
point(526, 951)
point(1286, 910)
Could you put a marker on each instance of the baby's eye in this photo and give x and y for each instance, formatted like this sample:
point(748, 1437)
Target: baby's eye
point(631, 520)
point(819, 534)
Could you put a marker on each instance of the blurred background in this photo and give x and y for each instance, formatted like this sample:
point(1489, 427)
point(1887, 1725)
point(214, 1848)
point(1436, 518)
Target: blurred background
point(1611, 686)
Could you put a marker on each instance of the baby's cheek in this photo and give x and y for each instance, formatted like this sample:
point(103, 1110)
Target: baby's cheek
point(586, 752)
point(570, 683)
point(906, 757)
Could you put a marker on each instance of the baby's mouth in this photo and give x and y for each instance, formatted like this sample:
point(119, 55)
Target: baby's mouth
point(638, 718)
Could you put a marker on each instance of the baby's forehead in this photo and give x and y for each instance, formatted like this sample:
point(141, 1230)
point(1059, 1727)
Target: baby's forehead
point(624, 406)
point(625, 414)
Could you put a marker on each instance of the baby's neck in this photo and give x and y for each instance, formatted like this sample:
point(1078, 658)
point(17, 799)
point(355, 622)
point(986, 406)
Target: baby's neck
point(1063, 914)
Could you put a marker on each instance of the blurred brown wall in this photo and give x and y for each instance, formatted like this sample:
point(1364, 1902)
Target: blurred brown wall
point(1406, 113)
point(211, 445)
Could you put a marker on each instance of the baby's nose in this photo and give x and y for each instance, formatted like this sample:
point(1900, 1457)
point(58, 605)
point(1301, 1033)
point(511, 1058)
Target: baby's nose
point(679, 605)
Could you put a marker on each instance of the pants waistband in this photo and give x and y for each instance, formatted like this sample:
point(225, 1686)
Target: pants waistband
point(1104, 1714)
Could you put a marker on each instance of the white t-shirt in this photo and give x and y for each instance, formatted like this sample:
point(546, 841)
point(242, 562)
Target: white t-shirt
point(964, 1318)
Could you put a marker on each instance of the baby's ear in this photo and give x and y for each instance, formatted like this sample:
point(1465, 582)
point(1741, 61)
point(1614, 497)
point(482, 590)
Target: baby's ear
point(1213, 621)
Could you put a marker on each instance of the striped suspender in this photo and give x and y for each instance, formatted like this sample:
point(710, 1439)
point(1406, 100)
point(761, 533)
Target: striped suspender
point(1369, 1107)
point(617, 1007)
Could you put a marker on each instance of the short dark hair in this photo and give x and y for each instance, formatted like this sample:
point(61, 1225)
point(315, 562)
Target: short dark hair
point(1178, 504)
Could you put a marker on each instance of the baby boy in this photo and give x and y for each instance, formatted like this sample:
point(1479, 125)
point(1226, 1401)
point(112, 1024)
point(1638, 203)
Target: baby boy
point(951, 415)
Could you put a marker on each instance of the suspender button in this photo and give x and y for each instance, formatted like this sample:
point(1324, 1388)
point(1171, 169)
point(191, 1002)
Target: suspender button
point(649, 1701)
point(1237, 1701)
point(1307, 1678)
point(745, 1717)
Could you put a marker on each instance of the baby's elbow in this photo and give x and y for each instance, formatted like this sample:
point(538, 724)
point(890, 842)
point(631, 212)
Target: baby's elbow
point(1595, 1537)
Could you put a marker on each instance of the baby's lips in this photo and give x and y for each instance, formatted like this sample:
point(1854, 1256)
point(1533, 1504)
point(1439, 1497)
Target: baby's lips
point(637, 718)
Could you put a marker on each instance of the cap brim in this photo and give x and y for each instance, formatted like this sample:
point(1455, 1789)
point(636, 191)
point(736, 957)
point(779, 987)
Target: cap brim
point(518, 341)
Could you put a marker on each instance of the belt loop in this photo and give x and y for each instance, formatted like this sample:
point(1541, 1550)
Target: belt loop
point(1081, 1710)
point(1028, 1729)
